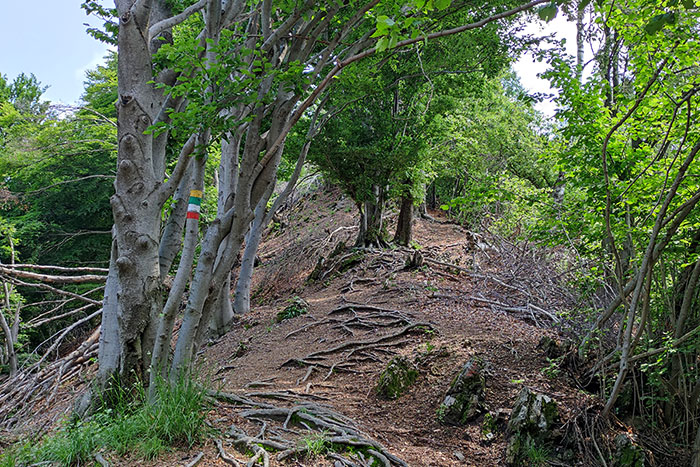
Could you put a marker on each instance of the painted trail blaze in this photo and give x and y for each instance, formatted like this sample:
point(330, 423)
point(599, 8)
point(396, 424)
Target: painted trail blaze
point(194, 205)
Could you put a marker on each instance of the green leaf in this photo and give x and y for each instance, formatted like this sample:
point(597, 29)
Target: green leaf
point(658, 22)
point(548, 12)
point(385, 20)
point(442, 4)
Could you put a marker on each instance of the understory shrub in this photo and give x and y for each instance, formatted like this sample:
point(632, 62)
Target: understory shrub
point(129, 424)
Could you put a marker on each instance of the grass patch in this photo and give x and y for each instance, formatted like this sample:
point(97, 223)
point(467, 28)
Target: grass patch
point(128, 424)
point(297, 307)
point(316, 444)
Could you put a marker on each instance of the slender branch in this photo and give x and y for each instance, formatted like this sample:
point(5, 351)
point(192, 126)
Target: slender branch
point(43, 189)
point(167, 189)
point(344, 63)
point(168, 23)
point(46, 267)
point(51, 278)
point(41, 285)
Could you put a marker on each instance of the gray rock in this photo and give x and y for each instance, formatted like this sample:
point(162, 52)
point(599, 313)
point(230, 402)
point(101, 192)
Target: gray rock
point(465, 398)
point(628, 453)
point(396, 378)
point(532, 427)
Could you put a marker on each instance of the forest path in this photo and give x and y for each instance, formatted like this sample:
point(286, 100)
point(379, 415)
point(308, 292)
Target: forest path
point(373, 308)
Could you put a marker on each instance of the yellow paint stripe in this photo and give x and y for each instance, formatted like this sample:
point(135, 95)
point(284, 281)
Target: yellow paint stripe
point(196, 193)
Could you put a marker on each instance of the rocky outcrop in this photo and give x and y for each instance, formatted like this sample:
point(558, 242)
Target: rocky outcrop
point(532, 428)
point(465, 398)
point(398, 376)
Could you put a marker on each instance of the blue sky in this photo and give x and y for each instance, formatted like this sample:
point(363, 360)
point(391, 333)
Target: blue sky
point(48, 38)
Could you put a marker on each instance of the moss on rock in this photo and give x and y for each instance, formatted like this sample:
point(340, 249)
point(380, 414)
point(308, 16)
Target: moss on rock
point(464, 399)
point(531, 427)
point(398, 376)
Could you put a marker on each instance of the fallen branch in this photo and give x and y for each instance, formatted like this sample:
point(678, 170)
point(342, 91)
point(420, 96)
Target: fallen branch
point(196, 460)
point(13, 272)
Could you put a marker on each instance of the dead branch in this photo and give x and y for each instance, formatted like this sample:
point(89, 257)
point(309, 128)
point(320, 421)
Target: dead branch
point(196, 460)
point(47, 267)
point(34, 387)
point(13, 272)
point(224, 456)
point(65, 293)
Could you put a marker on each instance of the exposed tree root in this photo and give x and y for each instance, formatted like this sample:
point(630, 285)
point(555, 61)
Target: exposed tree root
point(305, 429)
point(198, 458)
point(354, 352)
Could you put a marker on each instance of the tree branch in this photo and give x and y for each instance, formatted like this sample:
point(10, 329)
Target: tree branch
point(53, 279)
point(168, 23)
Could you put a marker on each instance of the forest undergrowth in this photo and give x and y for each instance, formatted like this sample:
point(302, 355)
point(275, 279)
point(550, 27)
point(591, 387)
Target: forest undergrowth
point(294, 381)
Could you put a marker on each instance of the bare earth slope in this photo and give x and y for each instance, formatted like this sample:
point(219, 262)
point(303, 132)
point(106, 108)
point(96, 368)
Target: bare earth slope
point(363, 312)
point(301, 391)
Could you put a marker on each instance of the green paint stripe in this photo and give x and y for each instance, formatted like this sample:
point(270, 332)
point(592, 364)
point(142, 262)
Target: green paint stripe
point(194, 200)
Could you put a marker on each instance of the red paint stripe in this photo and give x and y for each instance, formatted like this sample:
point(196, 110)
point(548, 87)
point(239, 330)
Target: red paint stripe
point(193, 215)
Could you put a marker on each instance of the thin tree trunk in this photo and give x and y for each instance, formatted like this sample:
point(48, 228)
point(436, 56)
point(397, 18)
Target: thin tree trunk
point(9, 342)
point(171, 240)
point(404, 226)
point(241, 303)
point(371, 232)
point(580, 15)
point(161, 349)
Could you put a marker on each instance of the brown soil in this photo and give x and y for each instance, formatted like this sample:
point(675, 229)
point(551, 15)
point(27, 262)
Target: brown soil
point(459, 321)
point(462, 328)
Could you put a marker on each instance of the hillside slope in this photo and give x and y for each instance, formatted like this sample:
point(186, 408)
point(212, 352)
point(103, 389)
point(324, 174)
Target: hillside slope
point(296, 378)
point(366, 308)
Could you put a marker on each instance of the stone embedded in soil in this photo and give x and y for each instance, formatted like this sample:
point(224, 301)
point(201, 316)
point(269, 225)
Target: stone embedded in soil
point(531, 426)
point(398, 376)
point(627, 452)
point(464, 400)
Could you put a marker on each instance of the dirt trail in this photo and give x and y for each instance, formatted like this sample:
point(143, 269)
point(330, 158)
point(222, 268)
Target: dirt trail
point(307, 383)
point(262, 355)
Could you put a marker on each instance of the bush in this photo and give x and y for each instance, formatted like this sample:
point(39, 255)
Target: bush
point(128, 424)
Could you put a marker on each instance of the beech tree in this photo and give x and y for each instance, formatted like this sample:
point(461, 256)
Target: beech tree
point(378, 146)
point(235, 72)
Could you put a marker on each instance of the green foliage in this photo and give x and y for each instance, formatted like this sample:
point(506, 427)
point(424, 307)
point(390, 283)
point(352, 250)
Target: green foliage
point(384, 142)
point(130, 425)
point(316, 444)
point(297, 307)
point(537, 456)
point(59, 171)
point(493, 160)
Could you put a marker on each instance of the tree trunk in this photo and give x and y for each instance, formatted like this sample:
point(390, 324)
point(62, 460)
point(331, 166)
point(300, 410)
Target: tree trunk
point(431, 197)
point(241, 304)
point(580, 15)
point(9, 344)
point(404, 227)
point(223, 311)
point(371, 232)
point(133, 296)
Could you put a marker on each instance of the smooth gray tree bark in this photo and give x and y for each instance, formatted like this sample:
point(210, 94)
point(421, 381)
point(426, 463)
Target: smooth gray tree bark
point(138, 308)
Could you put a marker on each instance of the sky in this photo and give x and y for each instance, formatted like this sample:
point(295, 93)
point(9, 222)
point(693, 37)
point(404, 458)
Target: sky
point(528, 68)
point(48, 38)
